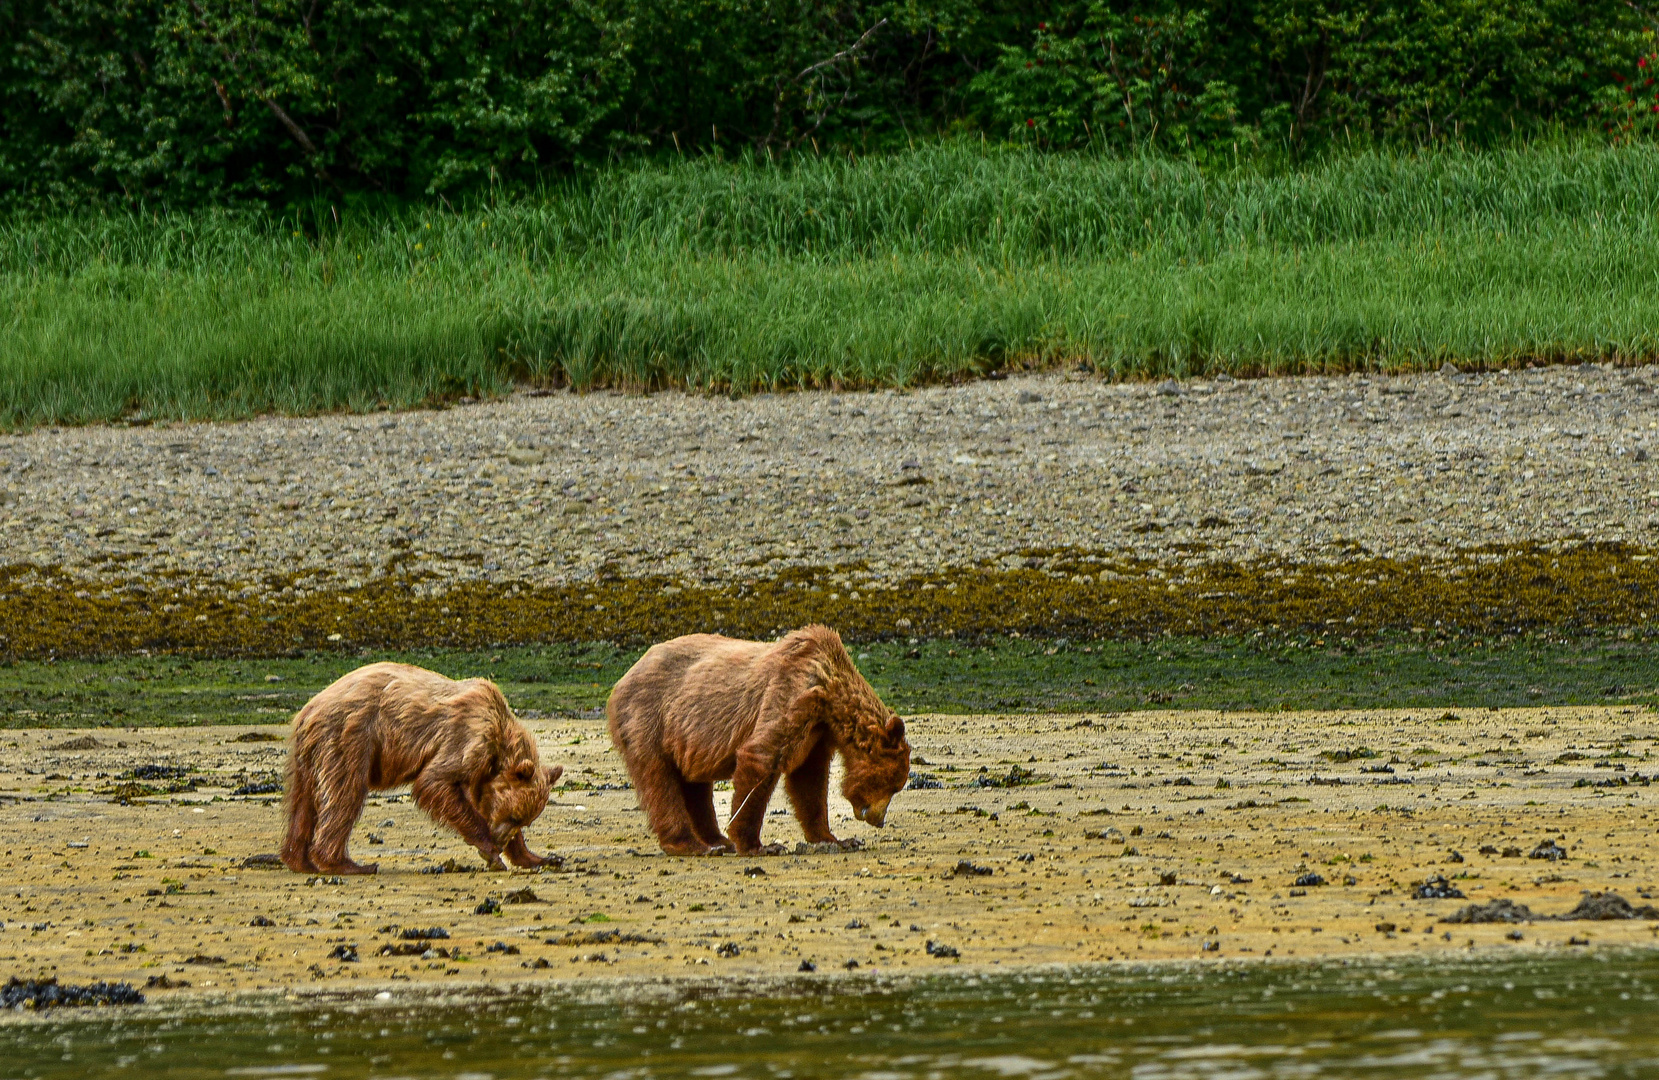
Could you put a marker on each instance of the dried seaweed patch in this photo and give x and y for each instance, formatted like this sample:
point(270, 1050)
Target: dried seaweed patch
point(1068, 593)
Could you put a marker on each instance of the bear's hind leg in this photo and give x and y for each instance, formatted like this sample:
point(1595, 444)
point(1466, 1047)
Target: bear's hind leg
point(300, 800)
point(340, 794)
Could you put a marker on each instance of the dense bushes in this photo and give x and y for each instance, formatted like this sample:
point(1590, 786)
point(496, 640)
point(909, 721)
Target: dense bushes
point(185, 102)
point(1300, 70)
point(192, 101)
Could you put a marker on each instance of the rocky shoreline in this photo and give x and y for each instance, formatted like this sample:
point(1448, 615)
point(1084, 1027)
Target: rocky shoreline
point(551, 490)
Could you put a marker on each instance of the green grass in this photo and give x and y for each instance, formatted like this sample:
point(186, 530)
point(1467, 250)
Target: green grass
point(999, 675)
point(940, 263)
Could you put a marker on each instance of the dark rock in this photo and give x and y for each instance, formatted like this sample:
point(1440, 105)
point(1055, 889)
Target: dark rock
point(1607, 905)
point(946, 952)
point(1343, 756)
point(85, 742)
point(503, 947)
point(49, 994)
point(412, 948)
point(1548, 849)
point(807, 965)
point(1017, 777)
point(450, 866)
point(964, 868)
point(606, 937)
point(158, 772)
point(522, 896)
point(344, 953)
point(729, 948)
point(431, 933)
point(921, 781)
point(269, 787)
point(829, 847)
point(260, 920)
point(1501, 910)
point(1308, 880)
point(1437, 888)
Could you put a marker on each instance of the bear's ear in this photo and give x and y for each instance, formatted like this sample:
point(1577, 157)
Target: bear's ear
point(525, 771)
point(895, 729)
point(553, 774)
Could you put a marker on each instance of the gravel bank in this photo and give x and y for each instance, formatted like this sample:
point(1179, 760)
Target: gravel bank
point(546, 490)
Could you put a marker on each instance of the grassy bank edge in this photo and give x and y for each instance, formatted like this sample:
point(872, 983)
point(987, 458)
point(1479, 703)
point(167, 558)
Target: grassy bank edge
point(994, 675)
point(933, 266)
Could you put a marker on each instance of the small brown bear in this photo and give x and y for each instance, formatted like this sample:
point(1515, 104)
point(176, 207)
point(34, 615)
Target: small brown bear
point(704, 707)
point(472, 765)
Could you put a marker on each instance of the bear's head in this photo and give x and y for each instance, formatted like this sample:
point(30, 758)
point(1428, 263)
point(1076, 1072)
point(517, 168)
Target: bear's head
point(515, 796)
point(877, 766)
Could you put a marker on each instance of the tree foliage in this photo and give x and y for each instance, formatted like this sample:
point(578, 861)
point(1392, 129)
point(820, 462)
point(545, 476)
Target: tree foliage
point(187, 102)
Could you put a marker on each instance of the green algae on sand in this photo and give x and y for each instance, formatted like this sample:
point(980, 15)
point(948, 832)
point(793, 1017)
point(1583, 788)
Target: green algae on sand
point(997, 674)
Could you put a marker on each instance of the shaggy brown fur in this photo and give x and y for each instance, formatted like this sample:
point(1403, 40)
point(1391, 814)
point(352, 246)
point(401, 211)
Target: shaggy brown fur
point(704, 708)
point(471, 764)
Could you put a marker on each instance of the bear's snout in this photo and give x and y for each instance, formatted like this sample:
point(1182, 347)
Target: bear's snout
point(874, 814)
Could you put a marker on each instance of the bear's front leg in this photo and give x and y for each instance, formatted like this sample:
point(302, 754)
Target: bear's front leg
point(519, 854)
point(448, 803)
point(752, 784)
point(808, 788)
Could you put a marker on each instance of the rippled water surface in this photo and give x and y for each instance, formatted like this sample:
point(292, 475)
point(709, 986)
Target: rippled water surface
point(1585, 1016)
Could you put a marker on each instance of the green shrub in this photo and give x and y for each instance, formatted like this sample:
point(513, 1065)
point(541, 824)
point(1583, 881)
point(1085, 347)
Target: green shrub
point(183, 103)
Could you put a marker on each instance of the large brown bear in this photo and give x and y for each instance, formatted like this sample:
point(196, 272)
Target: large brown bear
point(704, 707)
point(472, 764)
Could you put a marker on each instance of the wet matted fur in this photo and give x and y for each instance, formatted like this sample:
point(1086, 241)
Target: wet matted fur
point(471, 764)
point(704, 707)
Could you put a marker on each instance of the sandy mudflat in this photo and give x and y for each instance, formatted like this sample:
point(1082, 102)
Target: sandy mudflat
point(1230, 808)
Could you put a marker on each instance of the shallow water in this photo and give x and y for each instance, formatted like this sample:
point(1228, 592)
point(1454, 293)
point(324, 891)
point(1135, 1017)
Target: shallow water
point(1584, 1016)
